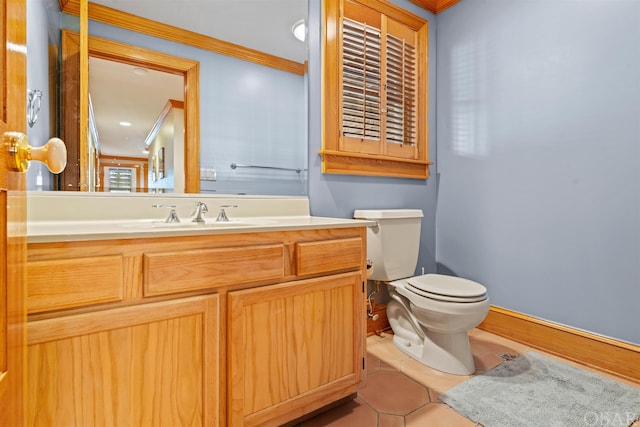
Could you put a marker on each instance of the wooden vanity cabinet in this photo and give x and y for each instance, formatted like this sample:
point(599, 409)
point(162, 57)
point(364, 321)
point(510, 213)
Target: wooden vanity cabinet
point(213, 330)
point(293, 347)
point(148, 365)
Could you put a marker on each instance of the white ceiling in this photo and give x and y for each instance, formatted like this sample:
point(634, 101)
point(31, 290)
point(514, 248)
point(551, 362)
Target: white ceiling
point(124, 93)
point(264, 25)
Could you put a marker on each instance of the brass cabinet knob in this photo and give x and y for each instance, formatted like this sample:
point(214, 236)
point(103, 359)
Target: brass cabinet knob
point(53, 153)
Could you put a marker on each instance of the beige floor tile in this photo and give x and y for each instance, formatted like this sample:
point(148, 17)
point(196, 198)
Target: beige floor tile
point(372, 363)
point(374, 339)
point(487, 348)
point(387, 420)
point(385, 365)
point(392, 392)
point(488, 336)
point(353, 413)
point(433, 394)
point(437, 381)
point(437, 415)
point(385, 350)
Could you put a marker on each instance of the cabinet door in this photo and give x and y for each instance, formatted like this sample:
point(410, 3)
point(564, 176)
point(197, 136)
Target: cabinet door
point(148, 365)
point(293, 348)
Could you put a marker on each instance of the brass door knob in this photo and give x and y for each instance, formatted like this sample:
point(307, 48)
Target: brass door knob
point(53, 153)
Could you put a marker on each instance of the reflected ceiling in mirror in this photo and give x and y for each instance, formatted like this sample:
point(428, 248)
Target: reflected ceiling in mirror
point(263, 25)
point(127, 101)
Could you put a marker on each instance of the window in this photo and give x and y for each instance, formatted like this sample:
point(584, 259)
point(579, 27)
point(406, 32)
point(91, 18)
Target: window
point(374, 90)
point(120, 179)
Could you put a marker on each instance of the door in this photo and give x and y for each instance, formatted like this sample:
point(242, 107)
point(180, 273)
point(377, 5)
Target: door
point(12, 215)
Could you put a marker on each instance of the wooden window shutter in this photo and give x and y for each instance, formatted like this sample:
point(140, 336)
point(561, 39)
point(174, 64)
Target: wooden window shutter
point(379, 81)
point(374, 90)
point(361, 95)
point(361, 101)
point(401, 91)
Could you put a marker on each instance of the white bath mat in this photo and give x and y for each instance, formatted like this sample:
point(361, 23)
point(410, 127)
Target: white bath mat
point(536, 390)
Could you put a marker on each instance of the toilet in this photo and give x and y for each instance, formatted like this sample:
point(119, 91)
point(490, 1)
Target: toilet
point(430, 314)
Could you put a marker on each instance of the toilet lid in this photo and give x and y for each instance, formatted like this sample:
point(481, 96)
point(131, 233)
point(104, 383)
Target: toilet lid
point(447, 288)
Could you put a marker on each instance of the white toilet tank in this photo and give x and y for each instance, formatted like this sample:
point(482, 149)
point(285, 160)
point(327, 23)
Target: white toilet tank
point(394, 243)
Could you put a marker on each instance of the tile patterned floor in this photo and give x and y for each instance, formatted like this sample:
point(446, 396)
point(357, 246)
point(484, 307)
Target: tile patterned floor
point(400, 392)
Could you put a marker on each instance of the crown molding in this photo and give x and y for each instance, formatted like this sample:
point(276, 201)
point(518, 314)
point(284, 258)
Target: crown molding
point(435, 6)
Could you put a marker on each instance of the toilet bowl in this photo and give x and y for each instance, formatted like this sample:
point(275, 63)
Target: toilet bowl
point(438, 335)
point(429, 314)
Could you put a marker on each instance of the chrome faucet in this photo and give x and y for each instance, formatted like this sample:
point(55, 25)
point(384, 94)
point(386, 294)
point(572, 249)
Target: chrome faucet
point(201, 208)
point(222, 215)
point(173, 215)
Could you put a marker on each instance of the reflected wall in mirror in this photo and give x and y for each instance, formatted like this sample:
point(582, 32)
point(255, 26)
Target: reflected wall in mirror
point(250, 113)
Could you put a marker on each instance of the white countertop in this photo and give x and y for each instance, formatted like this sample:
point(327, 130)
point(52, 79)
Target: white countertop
point(79, 230)
point(69, 216)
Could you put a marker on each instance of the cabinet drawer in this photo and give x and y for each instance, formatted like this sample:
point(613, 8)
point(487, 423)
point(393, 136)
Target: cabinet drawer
point(66, 283)
point(328, 255)
point(180, 271)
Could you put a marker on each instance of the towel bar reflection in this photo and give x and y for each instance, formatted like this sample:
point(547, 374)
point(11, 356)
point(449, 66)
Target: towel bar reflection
point(238, 165)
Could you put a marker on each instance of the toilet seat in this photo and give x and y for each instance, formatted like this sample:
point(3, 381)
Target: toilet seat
point(446, 288)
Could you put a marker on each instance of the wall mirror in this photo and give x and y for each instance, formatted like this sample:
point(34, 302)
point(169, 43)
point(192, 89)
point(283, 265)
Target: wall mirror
point(248, 128)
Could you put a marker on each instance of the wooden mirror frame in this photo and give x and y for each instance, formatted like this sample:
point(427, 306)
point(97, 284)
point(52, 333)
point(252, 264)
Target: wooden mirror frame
point(76, 175)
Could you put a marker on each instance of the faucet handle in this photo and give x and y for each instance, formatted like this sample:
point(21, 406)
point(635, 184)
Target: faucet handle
point(173, 215)
point(222, 215)
point(201, 207)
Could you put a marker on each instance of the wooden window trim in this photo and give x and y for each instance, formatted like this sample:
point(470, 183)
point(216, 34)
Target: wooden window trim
point(335, 160)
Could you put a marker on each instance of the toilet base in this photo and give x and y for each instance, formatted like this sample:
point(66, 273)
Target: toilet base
point(448, 353)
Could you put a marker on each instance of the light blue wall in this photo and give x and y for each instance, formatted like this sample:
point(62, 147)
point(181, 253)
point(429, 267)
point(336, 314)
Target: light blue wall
point(538, 157)
point(340, 195)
